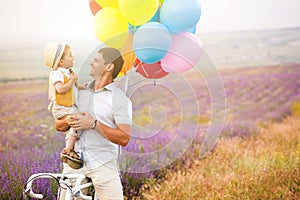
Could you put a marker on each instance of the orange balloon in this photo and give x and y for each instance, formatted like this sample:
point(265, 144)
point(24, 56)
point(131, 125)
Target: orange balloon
point(95, 7)
point(128, 61)
point(127, 54)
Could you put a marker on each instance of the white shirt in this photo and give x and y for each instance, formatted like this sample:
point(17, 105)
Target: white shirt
point(109, 106)
point(58, 75)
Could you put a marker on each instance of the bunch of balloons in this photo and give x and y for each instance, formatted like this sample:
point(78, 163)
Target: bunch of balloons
point(157, 36)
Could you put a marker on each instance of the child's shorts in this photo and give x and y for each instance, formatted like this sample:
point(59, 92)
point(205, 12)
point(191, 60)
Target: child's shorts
point(59, 111)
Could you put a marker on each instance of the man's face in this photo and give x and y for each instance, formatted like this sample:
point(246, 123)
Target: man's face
point(97, 66)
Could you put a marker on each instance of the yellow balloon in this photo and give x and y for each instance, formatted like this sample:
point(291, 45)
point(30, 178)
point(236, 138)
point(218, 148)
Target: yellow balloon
point(108, 3)
point(138, 12)
point(111, 27)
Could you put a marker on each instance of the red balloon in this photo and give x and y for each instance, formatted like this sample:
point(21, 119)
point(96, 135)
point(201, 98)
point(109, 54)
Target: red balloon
point(151, 71)
point(94, 6)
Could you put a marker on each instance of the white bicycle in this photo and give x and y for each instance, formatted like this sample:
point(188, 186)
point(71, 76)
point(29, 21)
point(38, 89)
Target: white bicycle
point(65, 181)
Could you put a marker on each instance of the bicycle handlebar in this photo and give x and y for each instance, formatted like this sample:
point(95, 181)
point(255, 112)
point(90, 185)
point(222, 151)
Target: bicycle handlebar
point(75, 191)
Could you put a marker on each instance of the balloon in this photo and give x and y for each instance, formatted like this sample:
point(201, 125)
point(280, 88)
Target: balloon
point(111, 27)
point(178, 16)
point(155, 18)
point(151, 42)
point(108, 3)
point(184, 53)
point(120, 74)
point(133, 29)
point(128, 61)
point(192, 29)
point(138, 12)
point(127, 54)
point(94, 6)
point(151, 71)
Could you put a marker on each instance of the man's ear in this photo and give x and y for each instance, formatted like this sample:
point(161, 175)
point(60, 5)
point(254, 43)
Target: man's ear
point(110, 67)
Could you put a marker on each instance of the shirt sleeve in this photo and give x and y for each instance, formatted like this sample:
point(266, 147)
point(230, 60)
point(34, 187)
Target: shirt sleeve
point(56, 76)
point(122, 108)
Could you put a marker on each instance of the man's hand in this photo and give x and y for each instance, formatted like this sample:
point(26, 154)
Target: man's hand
point(82, 121)
point(119, 135)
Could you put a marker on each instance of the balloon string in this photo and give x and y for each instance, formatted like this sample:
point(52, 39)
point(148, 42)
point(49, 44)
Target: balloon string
point(131, 63)
point(126, 83)
point(145, 71)
point(132, 52)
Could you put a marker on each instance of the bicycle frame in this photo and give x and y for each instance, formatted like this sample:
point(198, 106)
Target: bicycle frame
point(72, 190)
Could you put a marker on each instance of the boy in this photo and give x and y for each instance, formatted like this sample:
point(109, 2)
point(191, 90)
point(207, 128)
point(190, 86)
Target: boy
point(62, 94)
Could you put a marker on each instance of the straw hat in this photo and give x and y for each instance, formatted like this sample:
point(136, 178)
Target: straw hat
point(53, 53)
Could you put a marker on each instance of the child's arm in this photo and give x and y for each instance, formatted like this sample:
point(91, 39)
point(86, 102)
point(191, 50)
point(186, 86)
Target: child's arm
point(63, 88)
point(82, 86)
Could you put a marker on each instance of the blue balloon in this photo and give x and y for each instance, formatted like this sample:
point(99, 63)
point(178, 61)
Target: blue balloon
point(133, 28)
point(155, 17)
point(151, 42)
point(178, 16)
point(192, 29)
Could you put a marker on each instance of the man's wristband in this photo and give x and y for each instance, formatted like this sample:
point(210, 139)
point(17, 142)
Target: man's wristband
point(94, 124)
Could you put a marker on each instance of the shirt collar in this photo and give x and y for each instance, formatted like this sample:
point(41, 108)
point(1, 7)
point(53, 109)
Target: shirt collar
point(64, 70)
point(110, 86)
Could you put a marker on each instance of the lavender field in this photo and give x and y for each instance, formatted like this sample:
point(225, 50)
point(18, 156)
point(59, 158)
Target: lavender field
point(29, 143)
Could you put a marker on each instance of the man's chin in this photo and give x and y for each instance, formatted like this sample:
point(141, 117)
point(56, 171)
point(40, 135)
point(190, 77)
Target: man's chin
point(91, 74)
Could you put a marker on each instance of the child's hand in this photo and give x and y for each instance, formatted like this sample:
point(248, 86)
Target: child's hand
point(74, 77)
point(63, 124)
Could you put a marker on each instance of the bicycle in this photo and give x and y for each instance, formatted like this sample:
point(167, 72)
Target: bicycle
point(72, 190)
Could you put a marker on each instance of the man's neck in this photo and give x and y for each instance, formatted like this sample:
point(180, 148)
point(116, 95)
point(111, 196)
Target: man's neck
point(102, 82)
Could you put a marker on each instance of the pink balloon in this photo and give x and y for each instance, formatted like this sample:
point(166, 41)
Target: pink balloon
point(184, 53)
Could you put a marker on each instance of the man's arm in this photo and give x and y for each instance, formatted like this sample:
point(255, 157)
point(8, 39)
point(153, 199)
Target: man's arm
point(119, 135)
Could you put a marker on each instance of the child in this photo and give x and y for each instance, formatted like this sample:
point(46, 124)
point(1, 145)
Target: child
point(62, 94)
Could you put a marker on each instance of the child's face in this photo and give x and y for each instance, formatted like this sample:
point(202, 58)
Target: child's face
point(67, 59)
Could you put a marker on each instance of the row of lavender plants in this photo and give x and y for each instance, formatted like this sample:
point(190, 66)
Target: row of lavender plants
point(29, 143)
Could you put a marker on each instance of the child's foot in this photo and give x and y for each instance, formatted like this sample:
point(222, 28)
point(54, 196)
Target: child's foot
point(70, 157)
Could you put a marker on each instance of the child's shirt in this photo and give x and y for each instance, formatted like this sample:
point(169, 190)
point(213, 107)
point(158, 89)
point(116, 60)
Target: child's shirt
point(56, 76)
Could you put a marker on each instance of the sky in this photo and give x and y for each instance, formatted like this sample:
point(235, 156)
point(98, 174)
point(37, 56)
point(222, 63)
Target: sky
point(72, 19)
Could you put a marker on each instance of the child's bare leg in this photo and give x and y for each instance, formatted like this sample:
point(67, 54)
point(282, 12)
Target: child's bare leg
point(70, 141)
point(68, 155)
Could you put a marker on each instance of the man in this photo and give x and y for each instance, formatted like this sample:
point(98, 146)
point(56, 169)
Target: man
point(105, 121)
